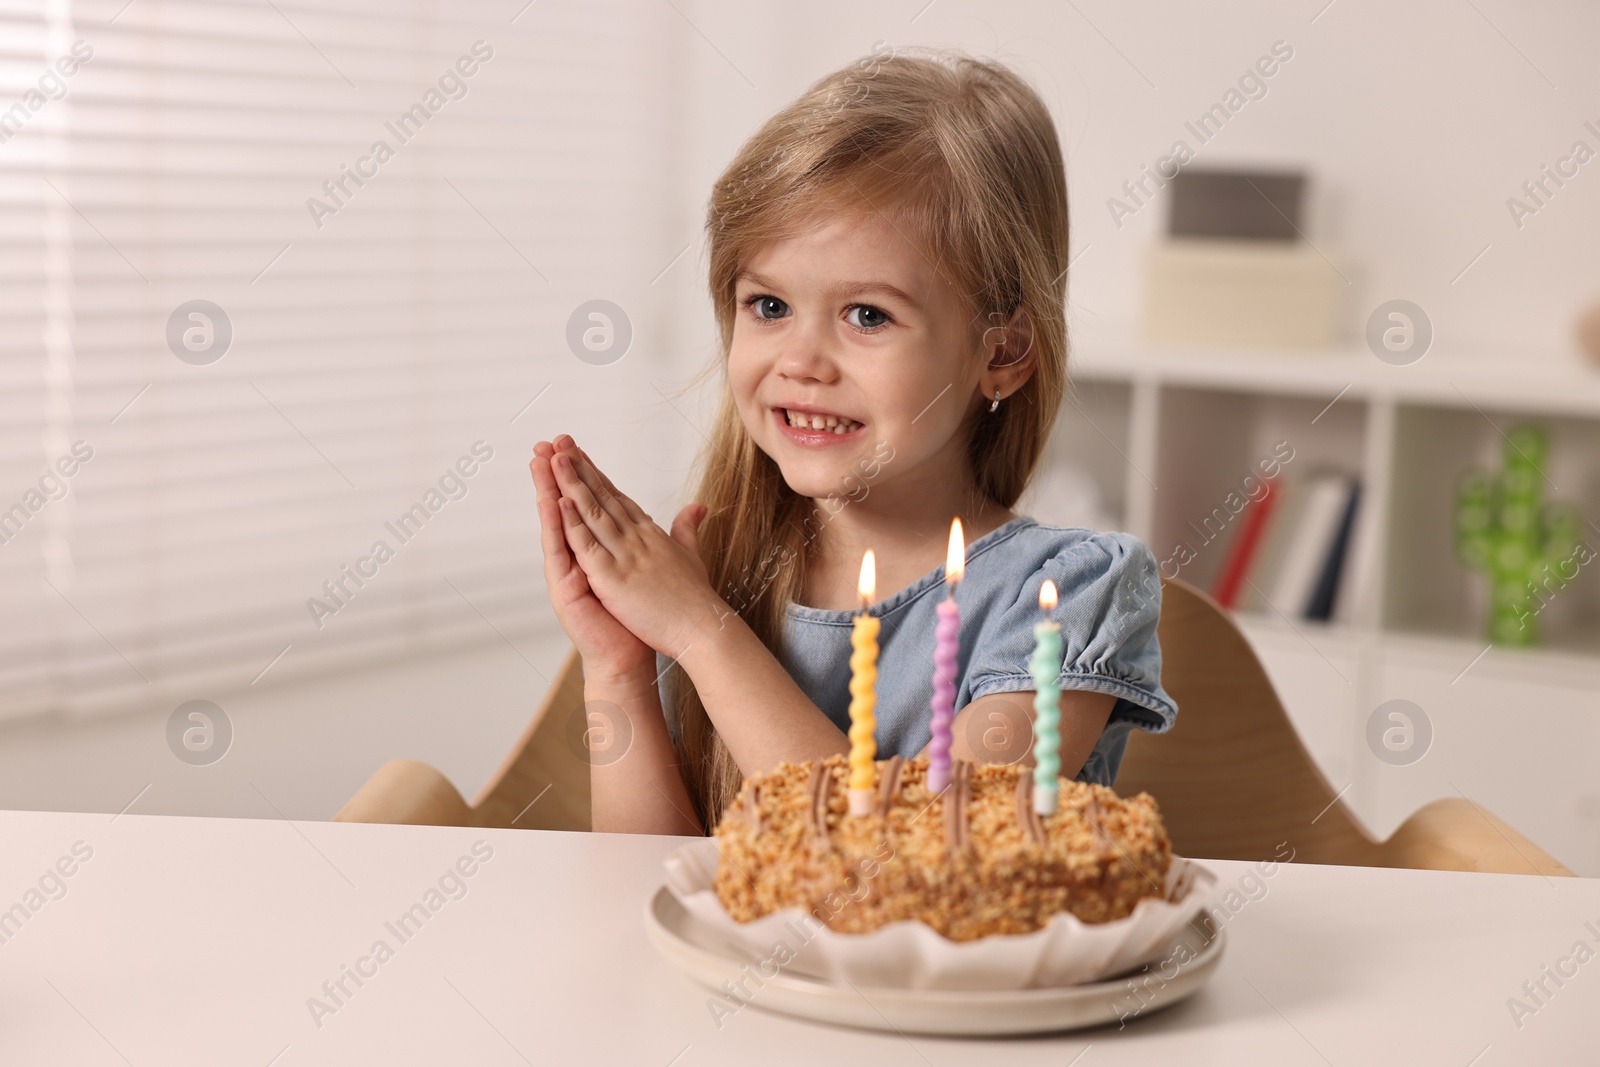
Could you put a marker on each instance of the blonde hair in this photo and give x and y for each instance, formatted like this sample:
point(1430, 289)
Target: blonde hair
point(962, 157)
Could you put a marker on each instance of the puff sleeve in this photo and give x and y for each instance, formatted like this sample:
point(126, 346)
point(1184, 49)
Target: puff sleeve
point(1110, 601)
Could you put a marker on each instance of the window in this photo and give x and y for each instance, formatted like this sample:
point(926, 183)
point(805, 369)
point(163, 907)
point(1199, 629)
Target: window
point(285, 288)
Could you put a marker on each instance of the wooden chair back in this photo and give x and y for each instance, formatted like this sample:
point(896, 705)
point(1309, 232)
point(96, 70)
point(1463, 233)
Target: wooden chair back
point(1232, 777)
point(1234, 780)
point(542, 784)
point(547, 767)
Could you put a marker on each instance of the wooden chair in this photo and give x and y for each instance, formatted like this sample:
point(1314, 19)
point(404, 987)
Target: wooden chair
point(1234, 781)
point(1232, 777)
point(543, 784)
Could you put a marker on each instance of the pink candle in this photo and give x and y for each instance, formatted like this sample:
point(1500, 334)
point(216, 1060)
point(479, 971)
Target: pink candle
point(947, 638)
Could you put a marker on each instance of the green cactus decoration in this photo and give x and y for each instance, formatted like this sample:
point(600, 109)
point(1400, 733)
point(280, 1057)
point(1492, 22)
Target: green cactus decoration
point(1504, 529)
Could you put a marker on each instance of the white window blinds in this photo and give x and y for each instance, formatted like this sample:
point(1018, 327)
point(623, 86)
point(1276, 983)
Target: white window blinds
point(278, 279)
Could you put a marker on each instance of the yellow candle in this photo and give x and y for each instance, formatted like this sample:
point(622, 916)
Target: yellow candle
point(863, 699)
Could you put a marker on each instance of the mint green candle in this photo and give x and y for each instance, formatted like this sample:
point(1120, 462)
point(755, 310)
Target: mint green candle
point(1045, 666)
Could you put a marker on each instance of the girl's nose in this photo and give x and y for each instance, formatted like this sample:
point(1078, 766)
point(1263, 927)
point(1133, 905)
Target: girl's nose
point(807, 356)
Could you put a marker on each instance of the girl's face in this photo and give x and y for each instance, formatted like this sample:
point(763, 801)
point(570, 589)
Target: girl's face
point(849, 329)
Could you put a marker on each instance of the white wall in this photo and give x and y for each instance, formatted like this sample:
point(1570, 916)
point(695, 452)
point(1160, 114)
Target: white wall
point(1415, 121)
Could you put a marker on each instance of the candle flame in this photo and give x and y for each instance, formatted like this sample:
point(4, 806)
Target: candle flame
point(1047, 595)
point(869, 578)
point(955, 563)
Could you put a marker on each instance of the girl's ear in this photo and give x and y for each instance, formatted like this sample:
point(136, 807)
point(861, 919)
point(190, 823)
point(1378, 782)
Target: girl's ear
point(1009, 352)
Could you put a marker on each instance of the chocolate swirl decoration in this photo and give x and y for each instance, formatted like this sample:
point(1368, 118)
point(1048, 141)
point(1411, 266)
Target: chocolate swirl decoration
point(817, 805)
point(752, 808)
point(888, 784)
point(957, 795)
point(1027, 814)
point(1091, 813)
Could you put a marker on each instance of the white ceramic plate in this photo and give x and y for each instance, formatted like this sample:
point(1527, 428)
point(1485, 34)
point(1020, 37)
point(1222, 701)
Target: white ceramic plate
point(912, 955)
point(710, 958)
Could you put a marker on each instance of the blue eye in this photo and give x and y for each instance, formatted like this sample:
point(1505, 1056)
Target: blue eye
point(869, 312)
point(767, 306)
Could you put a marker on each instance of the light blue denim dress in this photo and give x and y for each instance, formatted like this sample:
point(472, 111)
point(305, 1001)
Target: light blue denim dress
point(1110, 599)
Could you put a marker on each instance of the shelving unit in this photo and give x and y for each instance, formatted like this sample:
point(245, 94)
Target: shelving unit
point(1165, 432)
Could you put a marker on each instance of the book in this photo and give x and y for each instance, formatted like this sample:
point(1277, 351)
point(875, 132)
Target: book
point(1243, 547)
point(1268, 558)
point(1324, 596)
point(1347, 606)
point(1309, 542)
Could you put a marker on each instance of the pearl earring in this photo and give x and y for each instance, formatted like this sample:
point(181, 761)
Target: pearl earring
point(994, 405)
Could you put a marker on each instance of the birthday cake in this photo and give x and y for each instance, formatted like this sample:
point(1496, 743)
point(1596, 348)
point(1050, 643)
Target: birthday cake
point(974, 860)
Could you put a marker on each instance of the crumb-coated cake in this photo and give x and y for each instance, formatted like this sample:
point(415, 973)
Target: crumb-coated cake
point(976, 860)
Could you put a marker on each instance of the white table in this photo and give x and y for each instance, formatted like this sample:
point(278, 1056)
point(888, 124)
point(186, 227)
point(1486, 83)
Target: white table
point(199, 941)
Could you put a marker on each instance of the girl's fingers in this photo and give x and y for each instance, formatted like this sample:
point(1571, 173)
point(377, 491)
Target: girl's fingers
point(559, 563)
point(551, 539)
point(544, 479)
point(629, 508)
point(590, 512)
point(584, 542)
point(597, 480)
point(598, 484)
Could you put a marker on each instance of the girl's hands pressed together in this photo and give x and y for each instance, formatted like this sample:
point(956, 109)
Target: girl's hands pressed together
point(636, 787)
point(607, 646)
point(654, 585)
point(652, 582)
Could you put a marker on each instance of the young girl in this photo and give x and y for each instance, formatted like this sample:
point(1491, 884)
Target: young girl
point(888, 259)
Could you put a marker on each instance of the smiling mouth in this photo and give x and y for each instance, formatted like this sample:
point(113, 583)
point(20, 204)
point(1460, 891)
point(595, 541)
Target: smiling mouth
point(815, 423)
